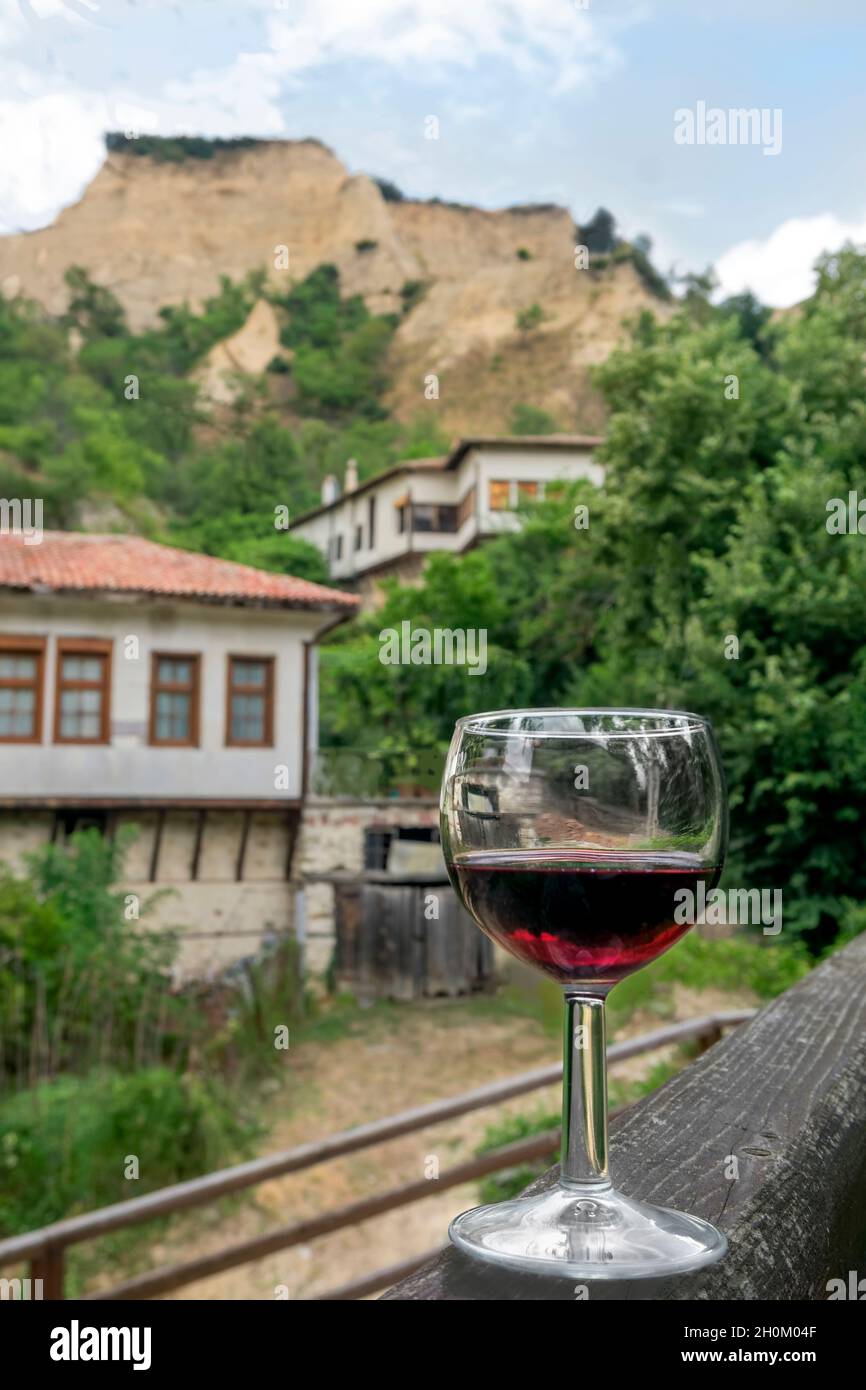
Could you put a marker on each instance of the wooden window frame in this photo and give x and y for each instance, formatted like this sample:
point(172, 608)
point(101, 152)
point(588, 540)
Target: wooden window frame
point(268, 691)
point(26, 646)
point(499, 482)
point(84, 646)
point(193, 690)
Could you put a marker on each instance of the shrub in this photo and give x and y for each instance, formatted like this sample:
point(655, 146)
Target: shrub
point(599, 234)
point(80, 983)
point(523, 254)
point(390, 192)
point(652, 278)
point(65, 1143)
point(411, 293)
point(530, 419)
point(528, 319)
point(365, 245)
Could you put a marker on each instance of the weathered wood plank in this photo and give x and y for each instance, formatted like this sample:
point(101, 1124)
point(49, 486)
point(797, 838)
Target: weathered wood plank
point(449, 965)
point(347, 915)
point(785, 1097)
point(390, 949)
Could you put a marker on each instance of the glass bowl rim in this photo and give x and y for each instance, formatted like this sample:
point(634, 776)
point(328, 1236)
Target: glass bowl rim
point(478, 723)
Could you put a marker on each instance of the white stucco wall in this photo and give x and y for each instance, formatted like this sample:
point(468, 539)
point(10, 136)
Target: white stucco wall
point(128, 766)
point(521, 463)
point(527, 465)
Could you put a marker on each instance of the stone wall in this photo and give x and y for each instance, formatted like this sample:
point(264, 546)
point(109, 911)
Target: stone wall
point(218, 918)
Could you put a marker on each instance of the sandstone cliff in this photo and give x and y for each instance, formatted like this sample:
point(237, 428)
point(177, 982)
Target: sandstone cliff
point(161, 233)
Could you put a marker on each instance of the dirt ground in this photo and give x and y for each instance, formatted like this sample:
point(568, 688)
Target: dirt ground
point(390, 1061)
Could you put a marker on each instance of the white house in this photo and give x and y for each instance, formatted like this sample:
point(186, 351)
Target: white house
point(142, 684)
point(389, 524)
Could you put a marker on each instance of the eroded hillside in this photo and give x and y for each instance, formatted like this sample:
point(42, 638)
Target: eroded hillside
point(159, 233)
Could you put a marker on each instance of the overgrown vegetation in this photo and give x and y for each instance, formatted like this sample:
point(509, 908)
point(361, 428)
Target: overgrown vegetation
point(174, 149)
point(113, 418)
point(100, 1052)
point(339, 348)
point(65, 1145)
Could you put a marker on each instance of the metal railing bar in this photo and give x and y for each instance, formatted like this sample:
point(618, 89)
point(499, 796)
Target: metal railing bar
point(170, 1277)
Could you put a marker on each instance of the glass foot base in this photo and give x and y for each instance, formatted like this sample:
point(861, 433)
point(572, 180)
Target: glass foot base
point(587, 1233)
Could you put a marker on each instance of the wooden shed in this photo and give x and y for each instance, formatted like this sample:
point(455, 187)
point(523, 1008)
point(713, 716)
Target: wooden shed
point(407, 936)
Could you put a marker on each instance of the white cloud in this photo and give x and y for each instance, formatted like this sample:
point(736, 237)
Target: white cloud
point(51, 121)
point(779, 269)
point(49, 147)
point(530, 35)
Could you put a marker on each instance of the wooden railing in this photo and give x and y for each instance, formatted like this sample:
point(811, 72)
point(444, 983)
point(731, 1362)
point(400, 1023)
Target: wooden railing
point(765, 1136)
point(45, 1249)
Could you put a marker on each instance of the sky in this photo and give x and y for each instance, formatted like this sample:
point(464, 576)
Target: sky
point(586, 103)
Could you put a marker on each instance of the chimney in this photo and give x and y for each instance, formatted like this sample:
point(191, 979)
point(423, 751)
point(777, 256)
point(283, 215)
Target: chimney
point(330, 489)
point(351, 480)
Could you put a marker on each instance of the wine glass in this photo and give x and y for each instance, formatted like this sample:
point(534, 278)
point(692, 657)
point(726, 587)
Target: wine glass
point(578, 839)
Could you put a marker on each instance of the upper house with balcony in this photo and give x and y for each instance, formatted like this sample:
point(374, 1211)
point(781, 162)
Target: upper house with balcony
point(389, 524)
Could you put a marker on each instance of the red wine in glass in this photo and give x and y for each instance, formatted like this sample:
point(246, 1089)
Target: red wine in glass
point(582, 915)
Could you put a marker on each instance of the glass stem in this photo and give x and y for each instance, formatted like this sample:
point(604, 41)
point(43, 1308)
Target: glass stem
point(584, 1093)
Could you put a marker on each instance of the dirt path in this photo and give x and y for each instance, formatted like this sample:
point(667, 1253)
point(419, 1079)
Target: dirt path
point(396, 1059)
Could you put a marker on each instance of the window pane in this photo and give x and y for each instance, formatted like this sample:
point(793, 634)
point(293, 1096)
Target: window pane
point(17, 713)
point(248, 718)
point(80, 714)
point(82, 668)
point(528, 489)
point(172, 716)
point(499, 496)
point(173, 672)
point(23, 701)
point(19, 668)
point(249, 673)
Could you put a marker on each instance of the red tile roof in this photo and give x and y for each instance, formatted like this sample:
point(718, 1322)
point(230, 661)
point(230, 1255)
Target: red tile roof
point(72, 561)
